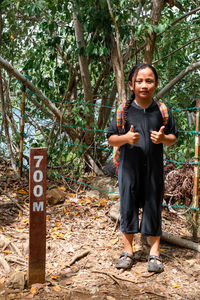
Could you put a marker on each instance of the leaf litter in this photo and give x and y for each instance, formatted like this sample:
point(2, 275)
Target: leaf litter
point(82, 247)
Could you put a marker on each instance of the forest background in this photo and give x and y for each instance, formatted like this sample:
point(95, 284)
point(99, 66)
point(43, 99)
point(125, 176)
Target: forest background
point(73, 58)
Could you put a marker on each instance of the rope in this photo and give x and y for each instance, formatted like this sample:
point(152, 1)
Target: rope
point(182, 163)
point(85, 184)
point(85, 146)
point(180, 206)
point(93, 104)
point(108, 192)
point(73, 126)
point(190, 131)
point(184, 109)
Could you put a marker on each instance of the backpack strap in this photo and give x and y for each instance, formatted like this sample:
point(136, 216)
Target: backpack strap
point(164, 111)
point(119, 117)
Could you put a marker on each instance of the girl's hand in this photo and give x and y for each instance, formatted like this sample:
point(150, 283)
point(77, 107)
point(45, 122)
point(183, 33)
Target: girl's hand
point(158, 137)
point(132, 137)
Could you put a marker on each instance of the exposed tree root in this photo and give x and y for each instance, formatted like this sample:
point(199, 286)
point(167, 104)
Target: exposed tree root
point(79, 256)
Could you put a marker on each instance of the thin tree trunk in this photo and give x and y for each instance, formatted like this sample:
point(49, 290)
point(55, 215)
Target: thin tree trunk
point(157, 6)
point(5, 124)
point(3, 110)
point(83, 62)
point(85, 76)
point(117, 60)
point(104, 112)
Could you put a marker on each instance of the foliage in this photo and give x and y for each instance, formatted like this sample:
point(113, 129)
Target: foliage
point(38, 38)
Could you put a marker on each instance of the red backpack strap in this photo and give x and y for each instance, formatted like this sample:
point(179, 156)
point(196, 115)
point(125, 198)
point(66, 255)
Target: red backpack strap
point(120, 123)
point(164, 112)
point(120, 127)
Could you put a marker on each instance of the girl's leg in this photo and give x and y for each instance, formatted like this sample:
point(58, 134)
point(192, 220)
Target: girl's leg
point(155, 243)
point(154, 260)
point(128, 239)
point(126, 259)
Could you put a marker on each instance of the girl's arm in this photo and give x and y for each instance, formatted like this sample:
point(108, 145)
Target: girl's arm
point(158, 137)
point(169, 139)
point(130, 137)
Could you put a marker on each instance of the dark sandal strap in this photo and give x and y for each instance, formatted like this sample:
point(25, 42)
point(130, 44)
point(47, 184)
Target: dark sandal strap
point(154, 257)
point(125, 255)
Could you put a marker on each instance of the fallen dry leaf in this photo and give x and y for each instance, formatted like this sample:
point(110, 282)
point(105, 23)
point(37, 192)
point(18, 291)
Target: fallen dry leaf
point(61, 188)
point(55, 277)
point(113, 242)
point(24, 220)
point(34, 290)
point(20, 227)
point(6, 252)
point(56, 288)
point(22, 192)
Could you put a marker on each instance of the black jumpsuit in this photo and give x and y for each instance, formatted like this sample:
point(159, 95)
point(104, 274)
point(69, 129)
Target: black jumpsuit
point(141, 180)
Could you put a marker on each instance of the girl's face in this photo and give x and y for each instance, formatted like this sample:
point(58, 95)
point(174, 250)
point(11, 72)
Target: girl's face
point(143, 84)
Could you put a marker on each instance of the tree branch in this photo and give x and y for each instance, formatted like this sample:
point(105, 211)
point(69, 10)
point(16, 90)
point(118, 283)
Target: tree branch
point(179, 19)
point(185, 15)
point(12, 71)
point(193, 40)
point(65, 60)
point(190, 68)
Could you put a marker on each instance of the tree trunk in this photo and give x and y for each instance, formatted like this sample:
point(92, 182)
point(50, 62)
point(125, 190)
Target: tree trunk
point(83, 62)
point(104, 112)
point(5, 125)
point(157, 6)
point(117, 60)
point(85, 76)
point(119, 72)
point(3, 110)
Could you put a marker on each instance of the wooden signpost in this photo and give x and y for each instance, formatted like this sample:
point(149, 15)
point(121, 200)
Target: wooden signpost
point(37, 220)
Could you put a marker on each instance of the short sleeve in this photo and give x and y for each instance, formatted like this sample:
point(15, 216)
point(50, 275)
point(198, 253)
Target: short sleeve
point(113, 127)
point(171, 128)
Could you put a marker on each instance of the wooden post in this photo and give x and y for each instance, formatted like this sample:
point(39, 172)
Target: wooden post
point(196, 174)
point(37, 220)
point(22, 130)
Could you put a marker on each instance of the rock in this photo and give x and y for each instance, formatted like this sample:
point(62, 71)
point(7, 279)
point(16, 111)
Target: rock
point(93, 194)
point(55, 196)
point(114, 211)
point(106, 185)
point(110, 298)
point(109, 169)
point(17, 280)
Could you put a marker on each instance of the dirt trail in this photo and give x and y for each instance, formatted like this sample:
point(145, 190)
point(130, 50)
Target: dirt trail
point(83, 223)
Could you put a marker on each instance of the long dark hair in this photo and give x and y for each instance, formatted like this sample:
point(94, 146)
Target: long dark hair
point(134, 72)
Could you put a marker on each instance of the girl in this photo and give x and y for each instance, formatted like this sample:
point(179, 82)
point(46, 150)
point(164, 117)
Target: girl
point(140, 176)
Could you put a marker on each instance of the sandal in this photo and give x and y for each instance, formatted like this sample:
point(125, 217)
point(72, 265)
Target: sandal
point(153, 266)
point(123, 262)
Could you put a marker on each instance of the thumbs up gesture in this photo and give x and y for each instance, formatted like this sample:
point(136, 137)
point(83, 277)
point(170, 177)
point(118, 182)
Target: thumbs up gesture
point(132, 137)
point(158, 137)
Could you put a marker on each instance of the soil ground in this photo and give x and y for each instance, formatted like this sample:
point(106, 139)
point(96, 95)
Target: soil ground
point(81, 228)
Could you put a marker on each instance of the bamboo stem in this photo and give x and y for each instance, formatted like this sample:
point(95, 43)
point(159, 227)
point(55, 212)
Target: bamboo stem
point(22, 130)
point(196, 174)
